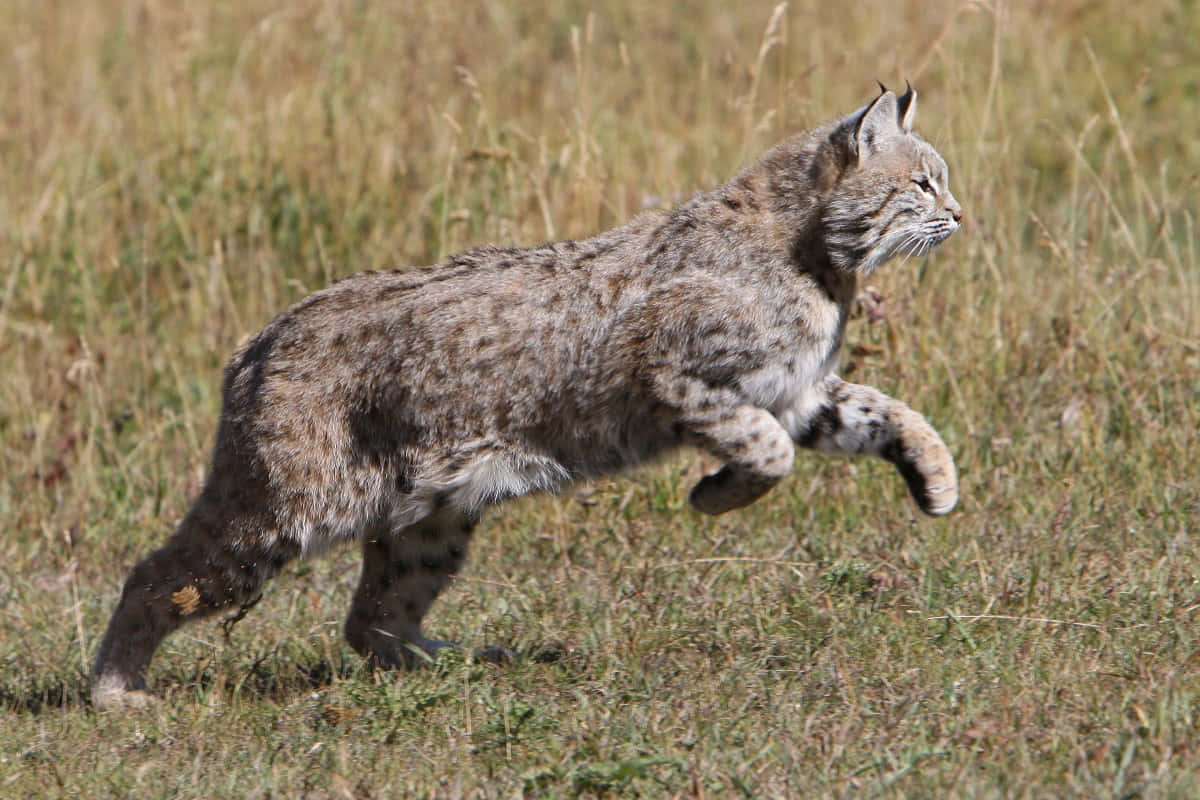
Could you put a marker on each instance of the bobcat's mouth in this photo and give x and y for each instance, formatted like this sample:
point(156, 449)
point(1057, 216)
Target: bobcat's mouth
point(926, 237)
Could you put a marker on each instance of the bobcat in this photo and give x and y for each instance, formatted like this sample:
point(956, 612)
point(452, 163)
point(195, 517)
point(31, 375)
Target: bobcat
point(391, 408)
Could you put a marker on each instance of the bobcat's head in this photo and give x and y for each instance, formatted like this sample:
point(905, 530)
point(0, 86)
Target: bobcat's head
point(891, 194)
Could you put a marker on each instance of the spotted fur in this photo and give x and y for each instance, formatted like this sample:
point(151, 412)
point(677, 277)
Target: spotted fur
point(391, 408)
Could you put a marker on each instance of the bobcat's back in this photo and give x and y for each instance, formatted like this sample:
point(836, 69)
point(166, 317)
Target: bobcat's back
point(507, 371)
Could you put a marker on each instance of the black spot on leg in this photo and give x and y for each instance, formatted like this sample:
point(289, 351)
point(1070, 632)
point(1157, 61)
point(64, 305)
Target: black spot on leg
point(917, 485)
point(726, 414)
point(826, 422)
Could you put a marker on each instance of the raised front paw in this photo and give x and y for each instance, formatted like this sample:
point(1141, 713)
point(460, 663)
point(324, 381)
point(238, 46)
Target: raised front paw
point(926, 465)
point(724, 491)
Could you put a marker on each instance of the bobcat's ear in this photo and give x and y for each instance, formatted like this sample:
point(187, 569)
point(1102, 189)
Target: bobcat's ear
point(861, 134)
point(908, 108)
point(878, 122)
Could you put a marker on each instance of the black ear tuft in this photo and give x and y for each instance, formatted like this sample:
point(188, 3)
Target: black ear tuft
point(907, 107)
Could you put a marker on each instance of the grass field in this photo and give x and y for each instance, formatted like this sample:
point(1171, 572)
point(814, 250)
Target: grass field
point(172, 174)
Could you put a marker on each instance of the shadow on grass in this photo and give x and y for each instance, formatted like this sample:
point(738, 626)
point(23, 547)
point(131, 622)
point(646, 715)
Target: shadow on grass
point(37, 698)
point(284, 680)
point(281, 681)
point(270, 678)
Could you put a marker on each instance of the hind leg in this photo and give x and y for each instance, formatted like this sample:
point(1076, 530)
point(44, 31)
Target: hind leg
point(214, 561)
point(403, 571)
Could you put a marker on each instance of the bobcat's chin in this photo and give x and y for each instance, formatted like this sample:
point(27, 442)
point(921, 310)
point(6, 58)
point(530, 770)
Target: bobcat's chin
point(915, 240)
point(926, 237)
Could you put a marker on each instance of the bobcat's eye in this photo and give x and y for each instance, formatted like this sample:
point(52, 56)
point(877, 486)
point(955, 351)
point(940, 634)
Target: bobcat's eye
point(925, 185)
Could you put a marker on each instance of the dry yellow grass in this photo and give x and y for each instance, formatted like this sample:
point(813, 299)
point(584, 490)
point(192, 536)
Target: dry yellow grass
point(173, 174)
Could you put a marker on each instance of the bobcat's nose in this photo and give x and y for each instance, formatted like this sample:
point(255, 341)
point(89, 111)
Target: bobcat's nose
point(955, 210)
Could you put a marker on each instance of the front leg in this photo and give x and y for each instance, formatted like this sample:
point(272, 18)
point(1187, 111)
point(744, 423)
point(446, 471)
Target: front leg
point(758, 454)
point(852, 419)
point(756, 449)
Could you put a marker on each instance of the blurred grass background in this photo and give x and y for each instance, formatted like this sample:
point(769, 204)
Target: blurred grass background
point(173, 174)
